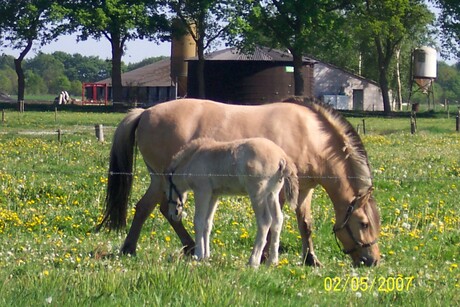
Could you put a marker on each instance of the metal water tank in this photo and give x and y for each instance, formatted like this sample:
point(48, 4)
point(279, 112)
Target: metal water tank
point(425, 63)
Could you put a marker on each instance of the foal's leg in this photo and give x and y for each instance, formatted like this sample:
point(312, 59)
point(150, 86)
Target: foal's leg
point(202, 208)
point(275, 227)
point(305, 224)
point(264, 219)
point(209, 221)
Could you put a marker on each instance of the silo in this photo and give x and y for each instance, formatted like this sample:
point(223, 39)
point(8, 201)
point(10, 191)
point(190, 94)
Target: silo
point(183, 46)
point(424, 66)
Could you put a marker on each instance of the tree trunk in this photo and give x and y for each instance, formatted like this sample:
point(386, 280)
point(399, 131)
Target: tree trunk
point(384, 60)
point(200, 70)
point(20, 72)
point(117, 53)
point(398, 80)
point(383, 81)
point(299, 86)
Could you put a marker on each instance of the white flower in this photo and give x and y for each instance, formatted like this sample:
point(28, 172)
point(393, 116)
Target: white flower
point(406, 226)
point(358, 294)
point(49, 300)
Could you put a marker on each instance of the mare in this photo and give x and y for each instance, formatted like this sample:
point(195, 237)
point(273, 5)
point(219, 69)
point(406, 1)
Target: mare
point(323, 145)
point(255, 166)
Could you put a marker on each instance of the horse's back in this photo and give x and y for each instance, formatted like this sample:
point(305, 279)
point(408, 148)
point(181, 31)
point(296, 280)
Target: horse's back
point(165, 128)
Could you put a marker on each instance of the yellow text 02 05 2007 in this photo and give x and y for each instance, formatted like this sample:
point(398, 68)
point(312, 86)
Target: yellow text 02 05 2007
point(363, 284)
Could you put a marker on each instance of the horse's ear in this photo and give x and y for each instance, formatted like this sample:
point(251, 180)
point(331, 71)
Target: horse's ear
point(365, 198)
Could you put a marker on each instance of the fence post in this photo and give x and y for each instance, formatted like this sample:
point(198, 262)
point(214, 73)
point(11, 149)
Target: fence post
point(457, 122)
point(59, 133)
point(99, 129)
point(364, 126)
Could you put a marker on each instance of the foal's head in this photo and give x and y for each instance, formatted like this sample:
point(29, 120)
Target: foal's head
point(176, 210)
point(358, 229)
point(176, 200)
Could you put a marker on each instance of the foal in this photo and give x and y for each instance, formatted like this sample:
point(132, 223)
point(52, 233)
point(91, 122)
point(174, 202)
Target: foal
point(255, 166)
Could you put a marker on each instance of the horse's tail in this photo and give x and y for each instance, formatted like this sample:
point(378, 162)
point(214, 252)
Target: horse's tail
point(291, 182)
point(120, 177)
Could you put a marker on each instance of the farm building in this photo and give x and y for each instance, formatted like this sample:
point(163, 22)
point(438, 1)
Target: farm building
point(149, 84)
point(262, 76)
point(345, 90)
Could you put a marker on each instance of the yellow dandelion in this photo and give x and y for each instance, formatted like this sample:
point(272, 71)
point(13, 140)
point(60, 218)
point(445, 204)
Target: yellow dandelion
point(167, 238)
point(283, 261)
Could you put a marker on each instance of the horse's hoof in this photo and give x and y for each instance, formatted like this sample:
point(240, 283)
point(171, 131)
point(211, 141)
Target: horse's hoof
point(128, 250)
point(189, 250)
point(311, 260)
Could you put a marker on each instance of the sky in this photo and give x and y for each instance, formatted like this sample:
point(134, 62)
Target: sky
point(136, 51)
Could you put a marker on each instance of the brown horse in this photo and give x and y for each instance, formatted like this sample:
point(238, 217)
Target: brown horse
point(323, 145)
point(254, 166)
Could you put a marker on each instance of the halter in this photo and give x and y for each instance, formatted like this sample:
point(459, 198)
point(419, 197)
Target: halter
point(172, 187)
point(345, 225)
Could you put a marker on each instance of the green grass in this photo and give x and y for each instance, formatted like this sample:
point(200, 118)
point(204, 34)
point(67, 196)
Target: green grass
point(52, 193)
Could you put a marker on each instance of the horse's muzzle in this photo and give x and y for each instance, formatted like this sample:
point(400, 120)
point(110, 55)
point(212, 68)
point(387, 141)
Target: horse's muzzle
point(366, 261)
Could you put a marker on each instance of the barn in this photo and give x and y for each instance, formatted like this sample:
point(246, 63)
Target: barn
point(147, 85)
point(262, 76)
point(345, 90)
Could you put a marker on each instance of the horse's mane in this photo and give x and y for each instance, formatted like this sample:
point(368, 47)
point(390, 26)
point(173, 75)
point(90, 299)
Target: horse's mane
point(353, 147)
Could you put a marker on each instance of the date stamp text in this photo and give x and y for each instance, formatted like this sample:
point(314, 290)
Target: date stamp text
point(364, 284)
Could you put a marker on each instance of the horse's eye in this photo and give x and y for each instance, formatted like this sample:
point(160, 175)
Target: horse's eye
point(364, 225)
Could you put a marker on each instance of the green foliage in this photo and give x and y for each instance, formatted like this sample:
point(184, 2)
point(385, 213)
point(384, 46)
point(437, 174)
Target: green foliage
point(52, 194)
point(36, 84)
point(449, 20)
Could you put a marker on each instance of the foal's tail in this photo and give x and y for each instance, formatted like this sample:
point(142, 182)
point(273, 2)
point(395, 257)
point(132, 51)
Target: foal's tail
point(291, 182)
point(120, 172)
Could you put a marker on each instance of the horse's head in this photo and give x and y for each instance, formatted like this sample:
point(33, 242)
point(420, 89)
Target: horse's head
point(358, 229)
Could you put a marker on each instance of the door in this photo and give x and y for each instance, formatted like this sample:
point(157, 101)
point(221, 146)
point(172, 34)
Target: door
point(358, 100)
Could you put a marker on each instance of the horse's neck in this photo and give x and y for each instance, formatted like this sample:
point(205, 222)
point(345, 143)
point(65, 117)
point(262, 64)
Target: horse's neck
point(343, 182)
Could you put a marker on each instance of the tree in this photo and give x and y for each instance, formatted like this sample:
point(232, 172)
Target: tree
point(449, 20)
point(118, 21)
point(385, 25)
point(24, 22)
point(206, 21)
point(295, 25)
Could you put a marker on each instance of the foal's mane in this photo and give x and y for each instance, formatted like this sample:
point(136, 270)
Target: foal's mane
point(186, 152)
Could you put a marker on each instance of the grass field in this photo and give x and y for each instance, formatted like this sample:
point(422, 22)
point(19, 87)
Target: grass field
point(52, 194)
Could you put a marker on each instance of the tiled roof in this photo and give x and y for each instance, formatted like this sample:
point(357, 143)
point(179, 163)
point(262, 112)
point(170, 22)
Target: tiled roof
point(152, 75)
point(259, 54)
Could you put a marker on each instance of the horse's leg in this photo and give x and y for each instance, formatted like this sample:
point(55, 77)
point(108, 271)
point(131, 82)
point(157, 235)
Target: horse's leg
point(275, 227)
point(187, 241)
point(305, 224)
point(264, 219)
point(144, 207)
